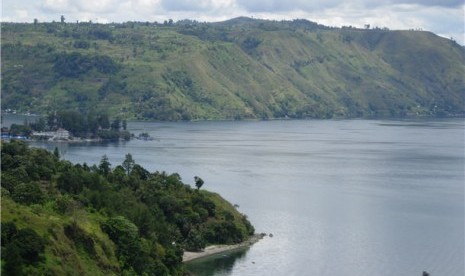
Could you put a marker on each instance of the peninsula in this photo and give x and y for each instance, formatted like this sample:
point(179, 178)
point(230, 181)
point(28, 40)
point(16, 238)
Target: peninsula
point(60, 218)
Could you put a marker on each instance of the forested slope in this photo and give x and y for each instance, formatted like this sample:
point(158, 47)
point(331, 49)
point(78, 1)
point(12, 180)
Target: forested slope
point(241, 68)
point(60, 218)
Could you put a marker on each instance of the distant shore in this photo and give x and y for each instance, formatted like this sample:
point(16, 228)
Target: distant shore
point(216, 249)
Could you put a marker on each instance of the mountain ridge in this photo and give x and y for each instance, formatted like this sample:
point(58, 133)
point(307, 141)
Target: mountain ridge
point(241, 68)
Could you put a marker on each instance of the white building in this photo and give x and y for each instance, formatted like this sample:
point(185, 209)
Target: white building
point(61, 134)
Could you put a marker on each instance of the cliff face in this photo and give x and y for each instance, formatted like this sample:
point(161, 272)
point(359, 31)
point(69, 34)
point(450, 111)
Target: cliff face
point(241, 68)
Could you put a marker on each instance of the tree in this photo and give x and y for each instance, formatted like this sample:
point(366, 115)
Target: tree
point(30, 244)
point(36, 21)
point(28, 193)
point(52, 120)
point(128, 163)
point(104, 121)
point(195, 241)
point(71, 181)
point(92, 123)
point(56, 153)
point(38, 125)
point(104, 166)
point(62, 19)
point(20, 130)
point(72, 65)
point(9, 230)
point(23, 246)
point(198, 182)
point(116, 125)
point(13, 261)
point(139, 172)
point(125, 235)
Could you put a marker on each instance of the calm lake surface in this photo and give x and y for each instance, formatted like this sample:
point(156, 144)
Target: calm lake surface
point(349, 197)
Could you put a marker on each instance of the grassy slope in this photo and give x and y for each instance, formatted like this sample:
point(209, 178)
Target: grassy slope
point(62, 255)
point(173, 74)
point(65, 256)
point(104, 222)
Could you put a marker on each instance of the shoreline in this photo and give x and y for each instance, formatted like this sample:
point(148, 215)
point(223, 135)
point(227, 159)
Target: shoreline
point(62, 141)
point(219, 248)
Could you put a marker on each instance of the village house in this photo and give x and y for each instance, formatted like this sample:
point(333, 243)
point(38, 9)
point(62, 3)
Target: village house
point(60, 134)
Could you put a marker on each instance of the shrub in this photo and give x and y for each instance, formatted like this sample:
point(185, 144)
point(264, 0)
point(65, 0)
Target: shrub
point(28, 193)
point(80, 238)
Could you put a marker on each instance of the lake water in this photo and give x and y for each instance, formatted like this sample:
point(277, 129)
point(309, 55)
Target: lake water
point(348, 197)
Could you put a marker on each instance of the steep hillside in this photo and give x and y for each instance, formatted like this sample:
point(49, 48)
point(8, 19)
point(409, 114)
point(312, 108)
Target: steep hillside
point(241, 68)
point(64, 219)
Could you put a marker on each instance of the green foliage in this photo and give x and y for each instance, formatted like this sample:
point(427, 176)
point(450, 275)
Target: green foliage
point(72, 121)
point(20, 171)
point(30, 245)
point(39, 124)
point(75, 64)
point(92, 124)
point(27, 193)
point(81, 44)
point(238, 69)
point(139, 172)
point(195, 241)
point(14, 148)
point(112, 86)
point(198, 182)
point(128, 163)
point(126, 236)
point(250, 43)
point(113, 135)
point(104, 166)
point(72, 65)
point(70, 181)
point(21, 247)
point(105, 64)
point(56, 153)
point(80, 238)
point(103, 220)
point(100, 33)
point(64, 204)
point(20, 130)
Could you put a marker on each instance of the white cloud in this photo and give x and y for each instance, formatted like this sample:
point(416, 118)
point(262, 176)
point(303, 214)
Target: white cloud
point(55, 5)
point(286, 6)
point(22, 14)
point(100, 6)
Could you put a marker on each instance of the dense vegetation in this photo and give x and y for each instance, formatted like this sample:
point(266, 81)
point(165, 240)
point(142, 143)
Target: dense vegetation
point(241, 68)
point(64, 219)
point(92, 125)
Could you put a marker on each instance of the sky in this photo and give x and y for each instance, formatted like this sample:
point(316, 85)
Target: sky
point(443, 17)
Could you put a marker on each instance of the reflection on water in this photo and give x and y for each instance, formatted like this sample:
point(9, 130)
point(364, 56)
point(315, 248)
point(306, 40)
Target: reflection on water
point(219, 264)
point(348, 197)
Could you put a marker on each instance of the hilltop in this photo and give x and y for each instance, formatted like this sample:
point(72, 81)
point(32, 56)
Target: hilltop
point(242, 68)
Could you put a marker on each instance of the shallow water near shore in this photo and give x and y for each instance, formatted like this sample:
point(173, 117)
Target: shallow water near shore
point(341, 197)
point(216, 265)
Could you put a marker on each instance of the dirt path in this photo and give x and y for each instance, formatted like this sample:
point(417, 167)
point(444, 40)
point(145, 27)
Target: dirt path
point(216, 249)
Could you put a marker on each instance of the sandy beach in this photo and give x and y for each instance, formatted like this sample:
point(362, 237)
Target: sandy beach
point(216, 249)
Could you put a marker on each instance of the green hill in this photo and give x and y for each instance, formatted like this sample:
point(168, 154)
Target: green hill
point(238, 69)
point(60, 218)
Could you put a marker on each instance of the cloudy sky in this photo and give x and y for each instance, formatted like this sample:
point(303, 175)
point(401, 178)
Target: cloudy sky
point(443, 17)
